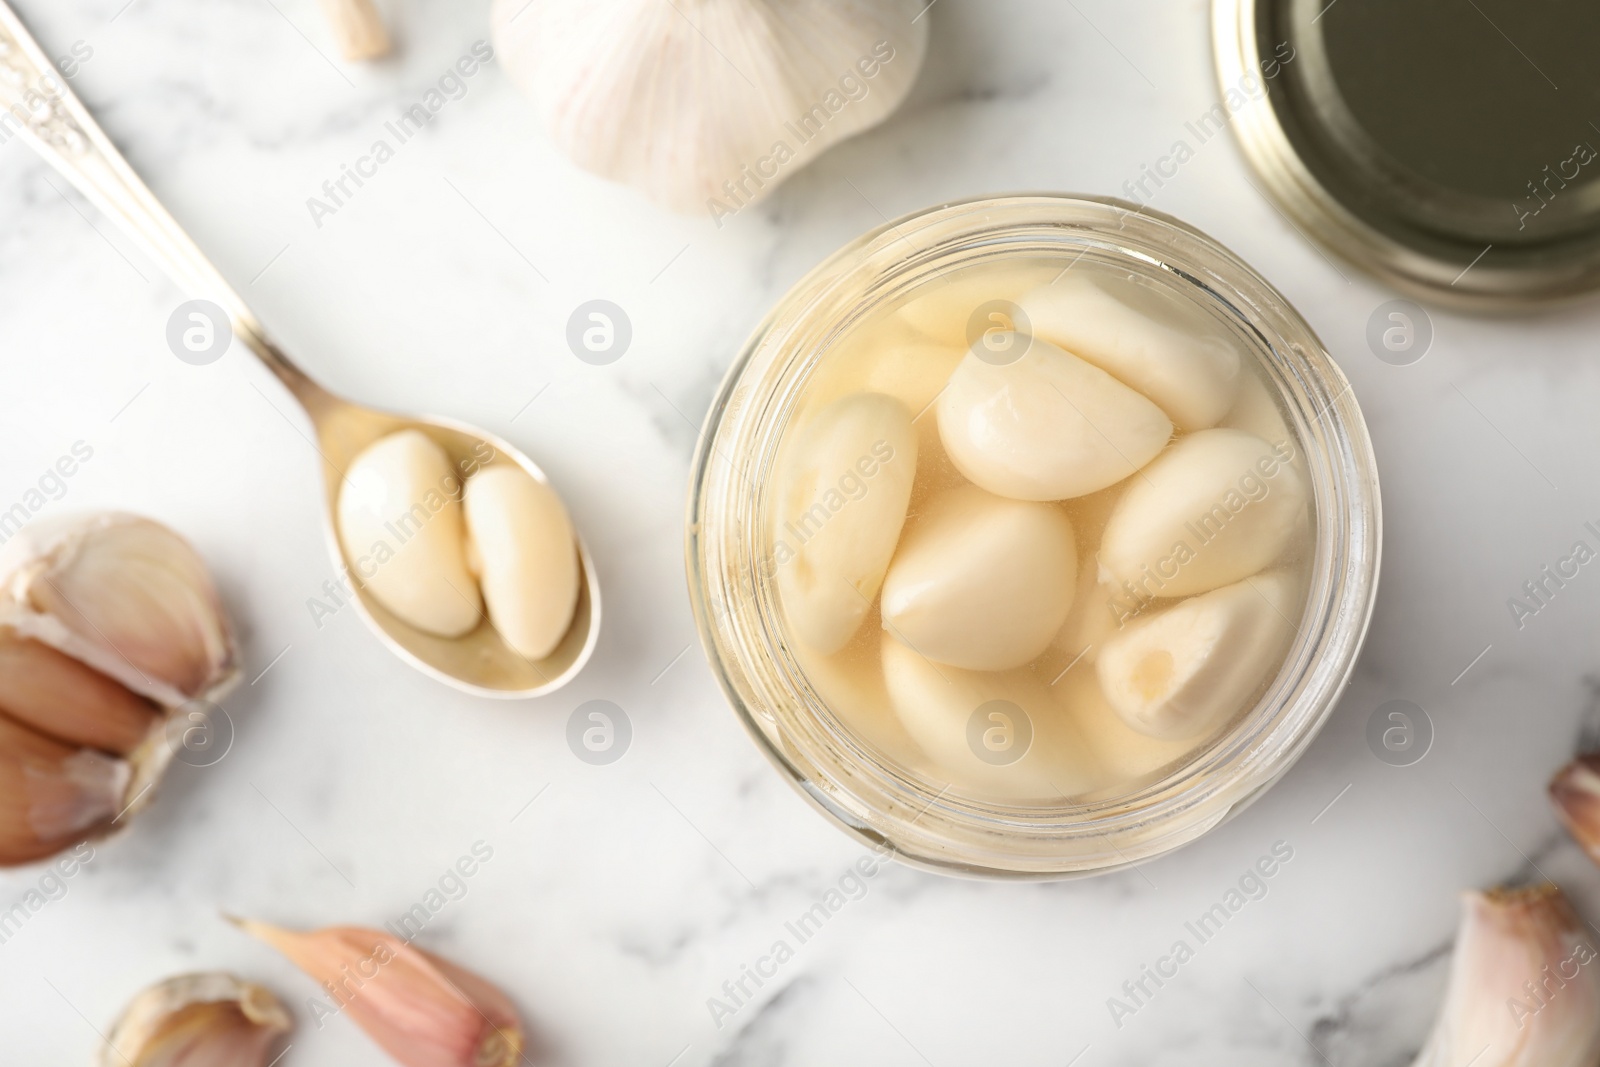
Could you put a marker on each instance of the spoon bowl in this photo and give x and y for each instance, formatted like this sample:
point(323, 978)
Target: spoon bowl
point(55, 123)
point(479, 662)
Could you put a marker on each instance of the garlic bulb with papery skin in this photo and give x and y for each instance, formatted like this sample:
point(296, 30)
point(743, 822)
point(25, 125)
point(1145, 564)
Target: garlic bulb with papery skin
point(124, 595)
point(706, 105)
point(197, 1020)
point(1524, 986)
point(110, 628)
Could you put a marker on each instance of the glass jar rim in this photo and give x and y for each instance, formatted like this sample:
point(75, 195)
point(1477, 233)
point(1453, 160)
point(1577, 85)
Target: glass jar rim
point(874, 800)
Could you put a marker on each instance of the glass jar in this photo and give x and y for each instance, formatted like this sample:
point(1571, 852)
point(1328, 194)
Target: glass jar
point(884, 801)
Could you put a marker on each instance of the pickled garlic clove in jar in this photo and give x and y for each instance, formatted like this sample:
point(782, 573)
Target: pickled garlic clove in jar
point(1046, 425)
point(842, 497)
point(982, 582)
point(1145, 339)
point(1216, 507)
point(1184, 671)
point(999, 734)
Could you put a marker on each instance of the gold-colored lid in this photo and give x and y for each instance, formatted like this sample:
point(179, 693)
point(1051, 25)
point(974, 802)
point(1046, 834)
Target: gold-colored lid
point(1451, 147)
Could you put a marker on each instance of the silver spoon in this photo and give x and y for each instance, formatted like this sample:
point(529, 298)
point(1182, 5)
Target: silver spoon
point(60, 129)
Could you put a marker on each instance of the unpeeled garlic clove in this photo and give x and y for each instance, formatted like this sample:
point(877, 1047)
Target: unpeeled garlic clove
point(400, 522)
point(710, 105)
point(844, 487)
point(1143, 338)
point(1183, 672)
point(980, 581)
point(1524, 986)
point(54, 795)
point(422, 1010)
point(1046, 426)
point(62, 697)
point(521, 547)
point(1216, 507)
point(1575, 792)
point(197, 1020)
point(124, 595)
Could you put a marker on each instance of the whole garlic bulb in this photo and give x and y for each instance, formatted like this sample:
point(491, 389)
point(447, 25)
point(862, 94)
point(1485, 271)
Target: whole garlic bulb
point(706, 105)
point(109, 625)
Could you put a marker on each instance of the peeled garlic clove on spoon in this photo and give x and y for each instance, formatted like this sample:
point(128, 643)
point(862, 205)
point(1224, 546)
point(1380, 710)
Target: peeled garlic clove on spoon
point(1524, 986)
point(1183, 672)
point(980, 581)
point(124, 595)
point(521, 546)
point(422, 1010)
point(1217, 506)
point(1144, 339)
point(708, 105)
point(844, 487)
point(197, 1020)
point(1047, 425)
point(400, 522)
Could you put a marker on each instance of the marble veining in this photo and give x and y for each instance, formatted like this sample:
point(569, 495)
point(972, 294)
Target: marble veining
point(622, 898)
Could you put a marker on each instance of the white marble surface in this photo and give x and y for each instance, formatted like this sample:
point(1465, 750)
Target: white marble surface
point(626, 895)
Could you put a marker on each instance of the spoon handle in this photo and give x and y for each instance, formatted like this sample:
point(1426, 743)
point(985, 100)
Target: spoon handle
point(37, 104)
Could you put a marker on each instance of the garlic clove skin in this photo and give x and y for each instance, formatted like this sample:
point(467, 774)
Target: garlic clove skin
point(56, 694)
point(1524, 986)
point(1046, 426)
point(400, 522)
point(981, 582)
point(844, 487)
point(1216, 507)
point(197, 1020)
point(1183, 672)
point(1145, 340)
point(53, 795)
point(1575, 792)
point(708, 106)
point(125, 596)
point(423, 1011)
point(521, 547)
point(936, 704)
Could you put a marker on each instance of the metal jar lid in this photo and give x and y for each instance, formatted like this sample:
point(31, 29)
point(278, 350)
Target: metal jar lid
point(1451, 147)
